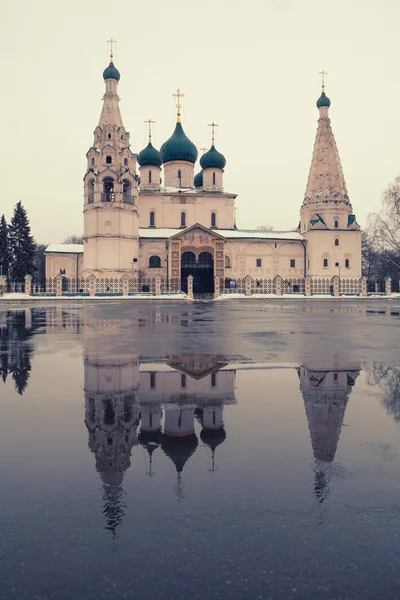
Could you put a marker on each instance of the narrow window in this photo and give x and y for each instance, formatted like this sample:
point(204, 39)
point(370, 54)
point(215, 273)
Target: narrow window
point(213, 178)
point(179, 178)
point(292, 263)
point(126, 162)
point(152, 219)
point(276, 245)
point(335, 377)
point(109, 136)
point(336, 224)
point(183, 219)
point(92, 161)
point(149, 176)
point(108, 160)
point(152, 380)
point(347, 263)
point(336, 242)
point(258, 262)
point(308, 264)
point(183, 380)
point(325, 263)
point(213, 220)
point(213, 379)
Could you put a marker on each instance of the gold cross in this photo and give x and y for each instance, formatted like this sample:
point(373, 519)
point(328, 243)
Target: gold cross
point(204, 149)
point(178, 95)
point(149, 122)
point(323, 73)
point(213, 126)
point(111, 42)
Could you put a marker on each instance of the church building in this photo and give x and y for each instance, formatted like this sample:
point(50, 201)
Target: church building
point(149, 214)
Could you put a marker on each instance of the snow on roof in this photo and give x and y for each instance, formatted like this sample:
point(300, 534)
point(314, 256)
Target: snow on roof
point(234, 234)
point(65, 248)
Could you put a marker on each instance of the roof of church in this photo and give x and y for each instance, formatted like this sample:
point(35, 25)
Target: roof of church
point(323, 101)
point(198, 180)
point(65, 248)
point(149, 157)
point(235, 234)
point(111, 72)
point(179, 147)
point(213, 159)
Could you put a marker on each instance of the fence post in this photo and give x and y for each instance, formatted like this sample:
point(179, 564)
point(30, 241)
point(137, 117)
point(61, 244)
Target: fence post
point(307, 285)
point(3, 284)
point(28, 285)
point(217, 290)
point(59, 281)
point(388, 286)
point(92, 285)
point(278, 285)
point(125, 285)
point(335, 285)
point(158, 285)
point(247, 285)
point(363, 282)
point(190, 286)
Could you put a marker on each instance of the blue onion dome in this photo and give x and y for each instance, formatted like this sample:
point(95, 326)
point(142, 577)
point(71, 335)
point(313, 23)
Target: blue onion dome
point(111, 72)
point(212, 159)
point(179, 147)
point(323, 101)
point(149, 157)
point(198, 180)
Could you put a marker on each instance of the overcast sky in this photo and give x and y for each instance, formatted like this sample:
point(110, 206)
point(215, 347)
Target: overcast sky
point(252, 66)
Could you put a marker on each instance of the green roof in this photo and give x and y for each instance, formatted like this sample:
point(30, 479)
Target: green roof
point(212, 159)
point(323, 101)
point(198, 180)
point(111, 72)
point(179, 147)
point(150, 157)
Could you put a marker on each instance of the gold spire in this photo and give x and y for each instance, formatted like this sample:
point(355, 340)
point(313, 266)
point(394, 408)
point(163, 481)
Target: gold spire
point(323, 73)
point(204, 149)
point(178, 95)
point(111, 42)
point(149, 122)
point(213, 126)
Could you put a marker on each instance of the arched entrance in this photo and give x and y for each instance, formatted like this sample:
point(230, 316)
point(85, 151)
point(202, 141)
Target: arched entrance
point(202, 271)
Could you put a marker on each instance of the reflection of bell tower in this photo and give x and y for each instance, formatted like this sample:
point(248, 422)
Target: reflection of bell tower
point(325, 395)
point(111, 416)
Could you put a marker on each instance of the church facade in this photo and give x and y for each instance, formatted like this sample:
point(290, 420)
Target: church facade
point(149, 214)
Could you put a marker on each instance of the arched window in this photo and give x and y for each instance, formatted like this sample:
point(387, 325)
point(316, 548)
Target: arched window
point(152, 219)
point(92, 162)
point(183, 219)
point(213, 220)
point(108, 190)
point(347, 263)
point(91, 191)
point(183, 380)
point(154, 262)
point(337, 242)
point(214, 179)
point(179, 178)
point(227, 262)
point(213, 379)
point(149, 176)
point(127, 197)
point(126, 162)
point(325, 262)
point(109, 136)
point(108, 160)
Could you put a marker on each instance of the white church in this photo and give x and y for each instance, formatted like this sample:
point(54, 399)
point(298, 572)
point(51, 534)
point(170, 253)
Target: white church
point(149, 214)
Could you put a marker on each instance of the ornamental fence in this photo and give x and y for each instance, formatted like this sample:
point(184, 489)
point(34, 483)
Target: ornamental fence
point(158, 285)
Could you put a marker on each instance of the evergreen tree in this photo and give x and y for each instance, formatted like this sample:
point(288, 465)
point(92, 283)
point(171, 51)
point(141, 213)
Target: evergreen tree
point(22, 245)
point(4, 247)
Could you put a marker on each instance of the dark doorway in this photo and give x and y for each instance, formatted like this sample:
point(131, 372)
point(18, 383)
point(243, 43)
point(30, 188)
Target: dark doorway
point(201, 270)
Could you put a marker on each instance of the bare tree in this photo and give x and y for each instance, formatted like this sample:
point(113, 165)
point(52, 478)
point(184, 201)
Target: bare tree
point(384, 226)
point(73, 239)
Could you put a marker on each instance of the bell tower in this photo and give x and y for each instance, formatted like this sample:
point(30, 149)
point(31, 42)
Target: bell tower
point(111, 217)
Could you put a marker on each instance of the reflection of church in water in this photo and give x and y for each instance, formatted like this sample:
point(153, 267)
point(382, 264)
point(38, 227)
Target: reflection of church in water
point(155, 405)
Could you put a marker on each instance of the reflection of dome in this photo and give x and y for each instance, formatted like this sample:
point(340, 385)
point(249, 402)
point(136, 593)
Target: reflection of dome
point(179, 449)
point(323, 101)
point(150, 440)
point(179, 147)
point(149, 157)
point(111, 72)
point(213, 437)
point(212, 159)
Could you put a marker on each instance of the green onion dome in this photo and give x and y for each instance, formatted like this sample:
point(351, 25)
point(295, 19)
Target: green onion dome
point(212, 159)
point(179, 147)
point(323, 101)
point(198, 180)
point(111, 72)
point(150, 157)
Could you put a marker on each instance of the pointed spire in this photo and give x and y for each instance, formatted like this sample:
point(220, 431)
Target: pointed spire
point(326, 175)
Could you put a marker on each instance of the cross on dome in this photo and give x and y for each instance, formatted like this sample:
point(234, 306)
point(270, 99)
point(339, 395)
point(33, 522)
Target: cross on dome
point(213, 126)
point(178, 94)
point(323, 73)
point(111, 42)
point(149, 122)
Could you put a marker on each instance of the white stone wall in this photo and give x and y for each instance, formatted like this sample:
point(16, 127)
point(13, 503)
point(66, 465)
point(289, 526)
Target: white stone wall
point(171, 174)
point(321, 245)
point(152, 248)
point(72, 263)
point(275, 258)
point(209, 175)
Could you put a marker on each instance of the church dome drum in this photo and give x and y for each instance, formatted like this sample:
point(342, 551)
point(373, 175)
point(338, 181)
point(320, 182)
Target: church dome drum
point(179, 147)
